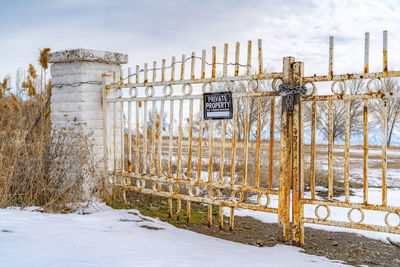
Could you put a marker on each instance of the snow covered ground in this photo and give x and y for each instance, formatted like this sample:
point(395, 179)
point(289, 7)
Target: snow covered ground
point(340, 214)
point(108, 237)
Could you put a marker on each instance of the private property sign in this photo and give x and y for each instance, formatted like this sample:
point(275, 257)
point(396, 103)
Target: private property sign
point(217, 106)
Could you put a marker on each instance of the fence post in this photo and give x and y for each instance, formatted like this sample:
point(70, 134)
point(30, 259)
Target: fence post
point(77, 95)
point(298, 161)
point(285, 159)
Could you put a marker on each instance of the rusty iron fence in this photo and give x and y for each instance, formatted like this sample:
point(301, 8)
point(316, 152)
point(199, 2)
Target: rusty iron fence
point(158, 143)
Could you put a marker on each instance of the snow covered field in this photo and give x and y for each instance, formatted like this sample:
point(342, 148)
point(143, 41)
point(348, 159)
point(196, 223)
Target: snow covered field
point(108, 237)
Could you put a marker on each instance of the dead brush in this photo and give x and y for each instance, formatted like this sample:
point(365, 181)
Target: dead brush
point(40, 166)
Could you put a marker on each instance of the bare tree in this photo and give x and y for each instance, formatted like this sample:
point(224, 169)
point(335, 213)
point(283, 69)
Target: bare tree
point(339, 113)
point(391, 86)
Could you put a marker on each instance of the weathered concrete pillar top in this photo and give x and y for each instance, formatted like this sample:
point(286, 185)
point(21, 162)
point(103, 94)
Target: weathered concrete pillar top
point(87, 55)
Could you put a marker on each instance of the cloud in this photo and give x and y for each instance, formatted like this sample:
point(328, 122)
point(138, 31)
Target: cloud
point(151, 30)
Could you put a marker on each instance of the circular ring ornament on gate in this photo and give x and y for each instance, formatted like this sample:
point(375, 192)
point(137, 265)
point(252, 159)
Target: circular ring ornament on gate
point(260, 200)
point(341, 89)
point(189, 92)
point(157, 186)
point(149, 91)
point(328, 212)
point(210, 88)
point(173, 189)
point(234, 196)
point(140, 183)
point(275, 87)
point(135, 92)
point(196, 191)
point(387, 220)
point(314, 88)
point(167, 93)
point(380, 88)
point(215, 196)
point(351, 219)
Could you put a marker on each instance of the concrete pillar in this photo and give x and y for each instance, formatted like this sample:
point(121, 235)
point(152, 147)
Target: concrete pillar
point(77, 92)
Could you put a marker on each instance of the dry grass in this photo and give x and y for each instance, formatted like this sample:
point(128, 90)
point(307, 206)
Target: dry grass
point(39, 166)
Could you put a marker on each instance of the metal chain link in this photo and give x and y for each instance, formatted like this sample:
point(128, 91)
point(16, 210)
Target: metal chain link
point(290, 91)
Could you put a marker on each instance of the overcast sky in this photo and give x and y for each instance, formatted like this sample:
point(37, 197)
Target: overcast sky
point(152, 30)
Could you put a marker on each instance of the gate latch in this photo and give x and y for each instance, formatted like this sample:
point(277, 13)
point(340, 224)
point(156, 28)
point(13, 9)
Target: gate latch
point(290, 91)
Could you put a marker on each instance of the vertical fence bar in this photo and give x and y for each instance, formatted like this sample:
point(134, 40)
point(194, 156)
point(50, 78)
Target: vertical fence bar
point(384, 151)
point(171, 122)
point(211, 140)
point(179, 167)
point(234, 134)
point(246, 133)
point(200, 143)
point(137, 139)
point(153, 138)
point(145, 128)
point(160, 138)
point(260, 57)
point(203, 64)
point(171, 135)
point(237, 51)
point(365, 159)
point(192, 77)
point(137, 73)
point(163, 70)
point(214, 62)
point(115, 134)
point(154, 71)
point(154, 125)
point(233, 160)
point(246, 140)
point(122, 136)
point(366, 53)
point(297, 210)
point(312, 156)
point(284, 175)
point(129, 127)
point(347, 151)
point(248, 66)
point(170, 148)
point(258, 142)
point(258, 148)
point(200, 146)
point(331, 41)
point(145, 73)
point(271, 143)
point(385, 50)
point(210, 161)
point(222, 157)
point(161, 126)
point(173, 69)
point(330, 150)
